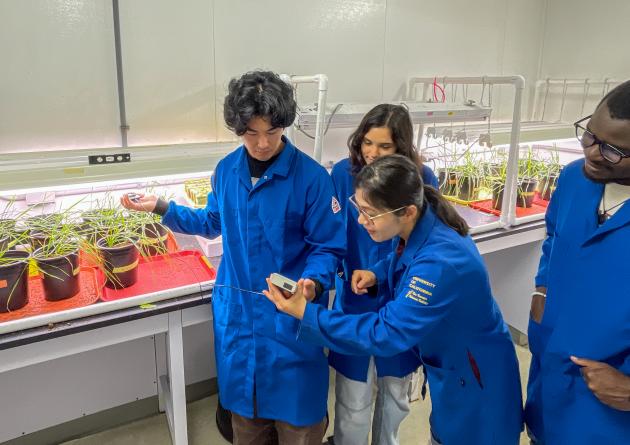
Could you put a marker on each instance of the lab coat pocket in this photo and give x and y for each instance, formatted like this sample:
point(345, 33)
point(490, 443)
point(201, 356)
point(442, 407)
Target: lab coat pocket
point(227, 320)
point(445, 388)
point(537, 336)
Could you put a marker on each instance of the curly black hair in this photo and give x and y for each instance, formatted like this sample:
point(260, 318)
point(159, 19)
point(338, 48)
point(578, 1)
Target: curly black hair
point(258, 94)
point(618, 101)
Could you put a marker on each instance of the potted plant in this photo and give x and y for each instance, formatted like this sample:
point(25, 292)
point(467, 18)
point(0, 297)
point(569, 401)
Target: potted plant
point(527, 180)
point(470, 177)
point(13, 275)
point(548, 175)
point(58, 262)
point(152, 234)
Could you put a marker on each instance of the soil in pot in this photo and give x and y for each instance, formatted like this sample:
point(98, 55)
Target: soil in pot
point(153, 239)
point(120, 264)
point(14, 281)
point(60, 276)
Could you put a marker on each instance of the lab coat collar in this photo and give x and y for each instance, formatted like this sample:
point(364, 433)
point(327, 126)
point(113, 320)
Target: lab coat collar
point(281, 167)
point(418, 237)
point(592, 199)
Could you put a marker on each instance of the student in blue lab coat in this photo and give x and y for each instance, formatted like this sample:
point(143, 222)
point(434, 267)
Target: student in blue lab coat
point(276, 212)
point(442, 307)
point(386, 129)
point(579, 331)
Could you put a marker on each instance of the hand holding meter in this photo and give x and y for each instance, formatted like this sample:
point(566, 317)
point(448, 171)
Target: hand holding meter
point(134, 197)
point(283, 283)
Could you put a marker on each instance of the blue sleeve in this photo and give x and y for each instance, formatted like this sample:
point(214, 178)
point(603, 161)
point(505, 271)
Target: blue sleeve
point(381, 268)
point(205, 222)
point(550, 220)
point(323, 231)
point(428, 177)
point(424, 300)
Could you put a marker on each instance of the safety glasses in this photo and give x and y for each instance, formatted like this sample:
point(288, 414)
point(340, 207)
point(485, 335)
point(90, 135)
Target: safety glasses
point(370, 218)
point(609, 152)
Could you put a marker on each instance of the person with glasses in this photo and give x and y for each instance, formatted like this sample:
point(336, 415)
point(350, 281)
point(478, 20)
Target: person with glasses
point(579, 330)
point(276, 211)
point(441, 308)
point(386, 129)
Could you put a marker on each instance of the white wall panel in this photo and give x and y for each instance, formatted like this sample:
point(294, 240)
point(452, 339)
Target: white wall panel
point(168, 60)
point(57, 82)
point(340, 38)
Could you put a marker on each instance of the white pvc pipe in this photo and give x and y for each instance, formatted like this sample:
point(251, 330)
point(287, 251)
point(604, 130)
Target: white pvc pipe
point(529, 218)
point(485, 228)
point(322, 86)
point(507, 217)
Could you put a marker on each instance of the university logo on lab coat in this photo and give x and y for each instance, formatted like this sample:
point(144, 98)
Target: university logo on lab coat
point(336, 207)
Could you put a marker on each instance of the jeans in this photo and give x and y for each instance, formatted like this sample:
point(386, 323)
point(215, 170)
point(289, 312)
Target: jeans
point(353, 409)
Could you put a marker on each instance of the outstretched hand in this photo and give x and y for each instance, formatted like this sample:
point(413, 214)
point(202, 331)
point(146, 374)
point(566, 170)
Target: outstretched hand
point(295, 304)
point(140, 203)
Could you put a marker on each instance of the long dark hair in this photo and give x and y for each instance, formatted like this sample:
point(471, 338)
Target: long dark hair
point(394, 117)
point(258, 94)
point(394, 181)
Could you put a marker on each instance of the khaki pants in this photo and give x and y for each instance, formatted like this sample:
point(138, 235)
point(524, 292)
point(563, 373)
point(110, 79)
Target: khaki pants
point(260, 431)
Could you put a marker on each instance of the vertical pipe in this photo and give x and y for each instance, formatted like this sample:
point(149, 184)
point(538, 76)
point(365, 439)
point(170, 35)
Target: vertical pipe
point(508, 217)
point(290, 130)
point(119, 75)
point(322, 87)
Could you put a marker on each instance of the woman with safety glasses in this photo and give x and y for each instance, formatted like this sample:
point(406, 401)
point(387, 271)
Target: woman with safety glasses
point(386, 129)
point(440, 305)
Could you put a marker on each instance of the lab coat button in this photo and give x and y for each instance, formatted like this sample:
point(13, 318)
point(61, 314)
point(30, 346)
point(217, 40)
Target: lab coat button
point(462, 382)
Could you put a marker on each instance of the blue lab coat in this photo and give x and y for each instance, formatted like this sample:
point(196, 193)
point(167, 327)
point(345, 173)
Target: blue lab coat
point(287, 223)
point(443, 309)
point(587, 314)
point(364, 252)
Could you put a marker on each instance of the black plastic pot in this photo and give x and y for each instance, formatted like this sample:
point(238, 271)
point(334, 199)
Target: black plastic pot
point(467, 188)
point(60, 276)
point(525, 193)
point(14, 281)
point(448, 182)
point(153, 240)
point(120, 264)
point(547, 186)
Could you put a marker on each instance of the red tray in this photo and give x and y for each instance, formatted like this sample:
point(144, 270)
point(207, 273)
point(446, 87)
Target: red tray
point(486, 206)
point(165, 272)
point(38, 305)
point(86, 259)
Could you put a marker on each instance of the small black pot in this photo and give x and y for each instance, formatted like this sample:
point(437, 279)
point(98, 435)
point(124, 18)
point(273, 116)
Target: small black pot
point(525, 193)
point(467, 188)
point(60, 276)
point(448, 182)
point(120, 264)
point(14, 282)
point(547, 186)
point(153, 241)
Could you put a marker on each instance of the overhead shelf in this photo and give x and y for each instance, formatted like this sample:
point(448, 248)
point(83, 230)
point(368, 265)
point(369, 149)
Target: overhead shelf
point(349, 115)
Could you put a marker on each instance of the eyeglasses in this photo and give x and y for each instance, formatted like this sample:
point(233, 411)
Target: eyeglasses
point(370, 218)
point(609, 152)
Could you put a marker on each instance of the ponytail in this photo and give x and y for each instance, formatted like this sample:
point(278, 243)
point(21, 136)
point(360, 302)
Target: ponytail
point(445, 211)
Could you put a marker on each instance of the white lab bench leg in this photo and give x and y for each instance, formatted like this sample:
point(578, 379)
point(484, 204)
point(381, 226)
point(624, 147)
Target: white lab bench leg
point(174, 385)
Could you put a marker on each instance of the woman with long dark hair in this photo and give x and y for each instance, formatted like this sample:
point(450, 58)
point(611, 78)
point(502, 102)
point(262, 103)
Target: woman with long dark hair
point(441, 307)
point(386, 129)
